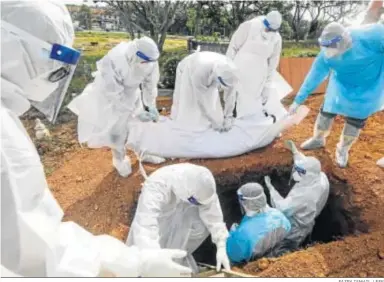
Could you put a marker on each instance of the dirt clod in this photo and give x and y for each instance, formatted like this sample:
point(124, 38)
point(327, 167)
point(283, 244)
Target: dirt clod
point(263, 264)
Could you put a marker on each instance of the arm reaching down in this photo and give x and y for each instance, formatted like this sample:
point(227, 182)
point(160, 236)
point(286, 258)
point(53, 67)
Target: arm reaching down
point(318, 73)
point(273, 61)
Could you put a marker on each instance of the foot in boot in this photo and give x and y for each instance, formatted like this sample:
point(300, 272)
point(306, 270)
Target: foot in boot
point(313, 143)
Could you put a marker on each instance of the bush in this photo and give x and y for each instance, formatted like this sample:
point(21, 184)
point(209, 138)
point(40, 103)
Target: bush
point(168, 68)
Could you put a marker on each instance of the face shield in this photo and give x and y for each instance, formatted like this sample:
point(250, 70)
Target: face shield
point(268, 27)
point(41, 69)
point(331, 47)
point(251, 198)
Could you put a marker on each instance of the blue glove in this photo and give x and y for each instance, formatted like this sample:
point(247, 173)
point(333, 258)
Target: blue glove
point(145, 116)
point(154, 113)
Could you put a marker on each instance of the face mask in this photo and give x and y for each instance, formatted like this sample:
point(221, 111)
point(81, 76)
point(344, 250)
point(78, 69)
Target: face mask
point(331, 52)
point(296, 176)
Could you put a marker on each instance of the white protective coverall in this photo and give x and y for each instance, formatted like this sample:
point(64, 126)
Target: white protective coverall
point(108, 104)
point(196, 102)
point(34, 240)
point(256, 54)
point(178, 208)
point(304, 202)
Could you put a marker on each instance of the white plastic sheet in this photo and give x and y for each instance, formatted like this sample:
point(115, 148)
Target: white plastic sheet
point(169, 140)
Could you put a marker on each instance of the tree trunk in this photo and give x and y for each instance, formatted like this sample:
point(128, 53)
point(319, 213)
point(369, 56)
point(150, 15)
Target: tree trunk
point(197, 21)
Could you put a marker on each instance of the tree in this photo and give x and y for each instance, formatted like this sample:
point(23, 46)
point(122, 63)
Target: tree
point(318, 13)
point(153, 18)
point(84, 17)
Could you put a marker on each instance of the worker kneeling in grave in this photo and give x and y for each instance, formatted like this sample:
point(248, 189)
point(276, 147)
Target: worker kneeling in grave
point(261, 228)
point(305, 200)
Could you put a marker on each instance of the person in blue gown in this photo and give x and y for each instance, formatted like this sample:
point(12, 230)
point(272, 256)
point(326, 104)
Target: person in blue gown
point(353, 59)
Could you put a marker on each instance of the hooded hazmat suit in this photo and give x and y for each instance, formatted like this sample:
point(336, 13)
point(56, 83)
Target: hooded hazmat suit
point(354, 60)
point(36, 66)
point(108, 104)
point(261, 229)
point(196, 101)
point(256, 53)
point(304, 202)
point(179, 208)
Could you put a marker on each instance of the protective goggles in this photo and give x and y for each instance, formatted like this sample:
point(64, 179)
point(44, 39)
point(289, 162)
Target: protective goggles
point(144, 57)
point(222, 81)
point(300, 171)
point(193, 201)
point(268, 26)
point(331, 43)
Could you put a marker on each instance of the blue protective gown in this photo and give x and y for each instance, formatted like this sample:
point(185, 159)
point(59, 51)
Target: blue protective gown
point(356, 83)
point(257, 235)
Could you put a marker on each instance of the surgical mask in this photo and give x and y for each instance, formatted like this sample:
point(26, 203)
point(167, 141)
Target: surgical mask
point(43, 70)
point(331, 52)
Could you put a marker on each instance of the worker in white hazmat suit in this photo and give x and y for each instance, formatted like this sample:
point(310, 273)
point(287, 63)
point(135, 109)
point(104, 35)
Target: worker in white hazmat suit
point(179, 208)
point(255, 48)
point(37, 63)
point(114, 99)
point(304, 202)
point(196, 101)
point(261, 228)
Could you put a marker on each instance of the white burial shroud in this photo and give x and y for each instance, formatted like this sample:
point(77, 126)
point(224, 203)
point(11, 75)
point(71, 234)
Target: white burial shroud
point(168, 139)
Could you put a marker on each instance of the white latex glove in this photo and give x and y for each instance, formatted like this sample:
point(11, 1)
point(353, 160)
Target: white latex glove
point(217, 127)
point(154, 113)
point(267, 181)
point(293, 108)
point(222, 259)
point(234, 226)
point(145, 116)
point(228, 123)
point(159, 263)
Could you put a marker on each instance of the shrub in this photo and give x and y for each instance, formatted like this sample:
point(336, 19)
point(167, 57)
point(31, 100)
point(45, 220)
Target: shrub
point(168, 68)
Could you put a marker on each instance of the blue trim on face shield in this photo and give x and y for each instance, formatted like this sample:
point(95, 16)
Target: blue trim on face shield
point(300, 170)
point(222, 81)
point(144, 57)
point(193, 201)
point(330, 43)
point(268, 26)
point(64, 54)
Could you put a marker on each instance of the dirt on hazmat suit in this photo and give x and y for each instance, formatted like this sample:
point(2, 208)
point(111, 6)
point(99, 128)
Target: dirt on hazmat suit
point(304, 202)
point(179, 208)
point(37, 63)
point(255, 48)
point(196, 101)
point(114, 99)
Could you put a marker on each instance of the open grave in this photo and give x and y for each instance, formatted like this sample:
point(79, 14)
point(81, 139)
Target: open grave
point(338, 218)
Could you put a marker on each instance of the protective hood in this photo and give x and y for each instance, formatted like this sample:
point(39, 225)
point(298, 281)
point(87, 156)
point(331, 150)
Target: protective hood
point(36, 55)
point(252, 198)
point(225, 72)
point(335, 40)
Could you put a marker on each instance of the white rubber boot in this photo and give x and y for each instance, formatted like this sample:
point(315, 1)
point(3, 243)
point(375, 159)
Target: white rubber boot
point(147, 158)
point(321, 131)
point(345, 144)
point(121, 162)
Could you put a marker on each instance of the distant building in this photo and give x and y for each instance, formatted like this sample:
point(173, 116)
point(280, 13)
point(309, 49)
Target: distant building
point(102, 18)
